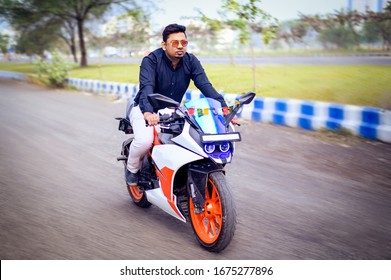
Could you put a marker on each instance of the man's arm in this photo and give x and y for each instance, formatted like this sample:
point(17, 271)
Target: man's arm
point(147, 84)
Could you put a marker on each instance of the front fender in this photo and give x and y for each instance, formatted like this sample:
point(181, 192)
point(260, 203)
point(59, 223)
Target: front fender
point(198, 174)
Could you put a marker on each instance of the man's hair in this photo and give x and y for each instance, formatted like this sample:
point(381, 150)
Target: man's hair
point(173, 28)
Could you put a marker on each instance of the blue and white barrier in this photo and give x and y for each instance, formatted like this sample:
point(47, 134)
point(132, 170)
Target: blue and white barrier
point(371, 123)
point(367, 122)
point(13, 75)
point(122, 90)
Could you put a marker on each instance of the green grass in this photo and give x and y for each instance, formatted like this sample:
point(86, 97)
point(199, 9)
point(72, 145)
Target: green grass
point(363, 85)
point(28, 68)
point(126, 73)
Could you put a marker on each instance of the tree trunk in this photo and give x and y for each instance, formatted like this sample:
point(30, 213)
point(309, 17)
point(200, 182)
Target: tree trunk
point(254, 67)
point(83, 50)
point(72, 47)
point(73, 51)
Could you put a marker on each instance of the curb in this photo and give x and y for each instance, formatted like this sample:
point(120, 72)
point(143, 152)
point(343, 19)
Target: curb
point(13, 75)
point(368, 122)
point(123, 90)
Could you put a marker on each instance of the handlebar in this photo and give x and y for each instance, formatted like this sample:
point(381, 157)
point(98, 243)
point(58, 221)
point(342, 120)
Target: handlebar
point(165, 119)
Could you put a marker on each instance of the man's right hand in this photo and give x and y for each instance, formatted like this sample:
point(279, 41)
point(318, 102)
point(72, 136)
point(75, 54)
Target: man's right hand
point(151, 118)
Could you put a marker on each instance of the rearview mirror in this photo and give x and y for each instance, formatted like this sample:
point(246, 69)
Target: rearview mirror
point(246, 98)
point(160, 101)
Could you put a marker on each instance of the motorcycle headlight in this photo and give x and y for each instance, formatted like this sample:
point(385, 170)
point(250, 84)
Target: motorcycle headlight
point(209, 148)
point(224, 147)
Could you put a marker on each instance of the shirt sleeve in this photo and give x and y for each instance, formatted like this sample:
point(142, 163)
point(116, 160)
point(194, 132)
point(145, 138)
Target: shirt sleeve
point(147, 83)
point(201, 81)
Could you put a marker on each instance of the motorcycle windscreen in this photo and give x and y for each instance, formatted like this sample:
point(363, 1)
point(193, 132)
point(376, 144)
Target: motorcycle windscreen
point(208, 114)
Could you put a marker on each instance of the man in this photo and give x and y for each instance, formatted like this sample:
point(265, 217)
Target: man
point(167, 71)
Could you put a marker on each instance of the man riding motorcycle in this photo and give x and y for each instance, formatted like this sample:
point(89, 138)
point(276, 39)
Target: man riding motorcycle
point(167, 71)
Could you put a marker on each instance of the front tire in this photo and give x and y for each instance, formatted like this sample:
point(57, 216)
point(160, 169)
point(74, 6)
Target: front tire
point(215, 226)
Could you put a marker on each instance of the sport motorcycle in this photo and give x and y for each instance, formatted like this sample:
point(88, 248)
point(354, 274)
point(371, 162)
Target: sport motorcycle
point(183, 172)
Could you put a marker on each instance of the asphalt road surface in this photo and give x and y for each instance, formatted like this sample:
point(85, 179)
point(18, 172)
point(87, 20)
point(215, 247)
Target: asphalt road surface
point(299, 194)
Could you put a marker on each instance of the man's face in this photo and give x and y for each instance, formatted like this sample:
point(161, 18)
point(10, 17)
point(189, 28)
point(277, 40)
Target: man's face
point(172, 51)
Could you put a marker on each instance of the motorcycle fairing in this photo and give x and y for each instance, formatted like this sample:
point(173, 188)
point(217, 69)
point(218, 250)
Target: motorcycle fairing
point(187, 141)
point(158, 198)
point(164, 197)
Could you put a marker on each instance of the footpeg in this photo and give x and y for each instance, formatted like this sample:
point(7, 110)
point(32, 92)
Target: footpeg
point(122, 158)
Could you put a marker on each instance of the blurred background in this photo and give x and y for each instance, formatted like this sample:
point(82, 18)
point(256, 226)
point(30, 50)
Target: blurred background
point(84, 30)
point(299, 194)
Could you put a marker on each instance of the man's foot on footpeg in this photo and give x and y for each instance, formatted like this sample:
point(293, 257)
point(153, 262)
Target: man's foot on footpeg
point(131, 178)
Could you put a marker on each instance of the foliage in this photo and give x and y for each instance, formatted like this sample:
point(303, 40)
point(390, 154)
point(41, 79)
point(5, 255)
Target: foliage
point(347, 29)
point(126, 29)
point(340, 36)
point(292, 31)
point(370, 32)
point(247, 18)
point(55, 71)
point(4, 41)
point(38, 38)
point(70, 15)
point(382, 24)
point(338, 29)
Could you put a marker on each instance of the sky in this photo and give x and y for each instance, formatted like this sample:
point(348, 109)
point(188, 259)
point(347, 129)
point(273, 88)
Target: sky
point(281, 9)
point(175, 11)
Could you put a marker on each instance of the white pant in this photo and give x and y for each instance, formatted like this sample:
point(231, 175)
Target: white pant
point(142, 142)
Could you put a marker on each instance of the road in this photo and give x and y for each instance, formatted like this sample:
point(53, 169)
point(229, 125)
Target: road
point(299, 194)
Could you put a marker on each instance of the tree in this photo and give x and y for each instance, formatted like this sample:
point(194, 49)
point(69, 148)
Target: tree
point(348, 21)
point(130, 28)
point(247, 18)
point(4, 41)
point(370, 33)
point(78, 11)
point(382, 23)
point(72, 13)
point(340, 36)
point(69, 37)
point(201, 35)
point(37, 33)
point(338, 29)
point(292, 31)
point(36, 40)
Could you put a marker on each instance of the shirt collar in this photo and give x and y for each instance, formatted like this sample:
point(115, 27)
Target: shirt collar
point(169, 62)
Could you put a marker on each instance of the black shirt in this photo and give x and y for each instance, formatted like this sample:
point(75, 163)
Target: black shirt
point(158, 76)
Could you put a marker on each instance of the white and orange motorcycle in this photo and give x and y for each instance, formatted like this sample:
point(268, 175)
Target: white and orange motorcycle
point(183, 173)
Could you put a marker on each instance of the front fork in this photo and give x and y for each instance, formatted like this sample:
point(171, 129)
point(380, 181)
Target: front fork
point(197, 180)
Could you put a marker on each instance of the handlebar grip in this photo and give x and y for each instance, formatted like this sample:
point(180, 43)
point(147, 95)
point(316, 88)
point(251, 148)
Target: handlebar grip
point(162, 119)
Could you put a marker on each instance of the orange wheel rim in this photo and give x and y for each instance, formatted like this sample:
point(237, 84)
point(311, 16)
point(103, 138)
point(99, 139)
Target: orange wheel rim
point(208, 223)
point(136, 193)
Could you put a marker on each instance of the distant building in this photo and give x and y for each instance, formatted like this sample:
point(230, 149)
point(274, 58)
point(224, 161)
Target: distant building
point(363, 5)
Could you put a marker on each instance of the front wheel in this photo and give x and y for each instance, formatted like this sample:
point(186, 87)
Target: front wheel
point(215, 226)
